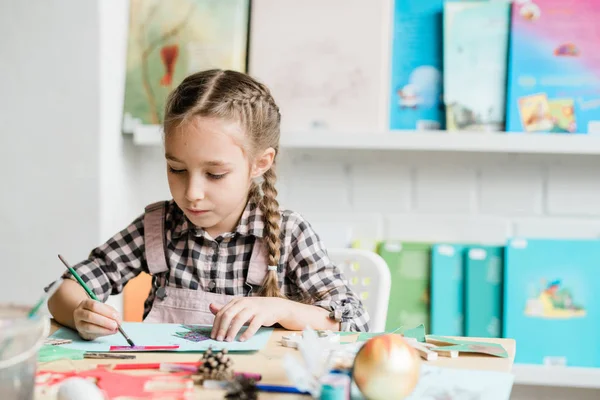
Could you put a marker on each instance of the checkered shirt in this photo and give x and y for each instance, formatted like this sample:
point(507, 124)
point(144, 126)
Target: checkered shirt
point(220, 265)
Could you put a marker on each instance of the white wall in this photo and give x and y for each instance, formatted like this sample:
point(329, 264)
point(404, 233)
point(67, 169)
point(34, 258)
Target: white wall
point(49, 143)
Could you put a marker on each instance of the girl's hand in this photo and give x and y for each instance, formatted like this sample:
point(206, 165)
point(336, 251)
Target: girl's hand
point(257, 311)
point(94, 319)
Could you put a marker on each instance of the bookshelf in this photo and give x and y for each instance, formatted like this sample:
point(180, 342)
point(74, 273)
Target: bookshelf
point(478, 142)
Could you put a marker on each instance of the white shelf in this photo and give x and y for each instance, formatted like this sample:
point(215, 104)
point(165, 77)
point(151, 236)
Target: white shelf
point(520, 143)
point(540, 375)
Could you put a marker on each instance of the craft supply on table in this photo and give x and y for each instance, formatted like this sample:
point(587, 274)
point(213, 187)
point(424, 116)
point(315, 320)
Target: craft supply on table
point(335, 387)
point(140, 366)
point(91, 295)
point(424, 352)
point(458, 383)
point(279, 389)
point(49, 353)
point(386, 367)
point(108, 356)
point(159, 334)
point(242, 388)
point(215, 365)
point(122, 385)
point(468, 346)
point(76, 388)
point(21, 337)
point(56, 342)
point(143, 348)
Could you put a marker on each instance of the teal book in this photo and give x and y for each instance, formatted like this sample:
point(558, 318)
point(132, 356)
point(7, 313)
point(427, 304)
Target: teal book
point(551, 302)
point(484, 269)
point(447, 289)
point(416, 66)
point(476, 36)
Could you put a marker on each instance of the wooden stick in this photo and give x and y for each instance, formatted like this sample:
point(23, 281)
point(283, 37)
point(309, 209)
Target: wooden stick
point(109, 356)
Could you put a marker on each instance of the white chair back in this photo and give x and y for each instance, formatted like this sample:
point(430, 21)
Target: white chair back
point(368, 275)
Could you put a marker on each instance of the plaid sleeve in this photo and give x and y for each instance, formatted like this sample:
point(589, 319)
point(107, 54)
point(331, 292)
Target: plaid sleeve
point(316, 275)
point(111, 265)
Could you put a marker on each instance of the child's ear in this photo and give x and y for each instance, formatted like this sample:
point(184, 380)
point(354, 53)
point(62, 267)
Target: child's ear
point(263, 162)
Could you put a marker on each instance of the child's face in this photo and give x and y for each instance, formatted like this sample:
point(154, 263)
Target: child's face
point(209, 174)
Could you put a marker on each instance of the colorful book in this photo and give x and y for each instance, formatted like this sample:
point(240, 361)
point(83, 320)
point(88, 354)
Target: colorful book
point(447, 291)
point(484, 266)
point(416, 66)
point(551, 304)
point(553, 67)
point(475, 54)
point(326, 72)
point(409, 265)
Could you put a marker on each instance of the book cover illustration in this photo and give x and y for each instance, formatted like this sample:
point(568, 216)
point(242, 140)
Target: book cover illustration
point(416, 100)
point(475, 55)
point(551, 299)
point(554, 67)
point(168, 41)
point(323, 62)
point(550, 303)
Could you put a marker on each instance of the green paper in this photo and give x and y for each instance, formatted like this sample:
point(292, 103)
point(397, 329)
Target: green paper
point(467, 346)
point(53, 353)
point(415, 333)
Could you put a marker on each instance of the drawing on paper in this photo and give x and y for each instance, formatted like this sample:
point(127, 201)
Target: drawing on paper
point(195, 333)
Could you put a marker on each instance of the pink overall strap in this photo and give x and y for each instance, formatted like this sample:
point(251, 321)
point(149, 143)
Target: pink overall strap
point(257, 270)
point(154, 238)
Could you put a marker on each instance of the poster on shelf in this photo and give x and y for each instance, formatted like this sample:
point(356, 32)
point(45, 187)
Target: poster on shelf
point(554, 67)
point(168, 41)
point(324, 62)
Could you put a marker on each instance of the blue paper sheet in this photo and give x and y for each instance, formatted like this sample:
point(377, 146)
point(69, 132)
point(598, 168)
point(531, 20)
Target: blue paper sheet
point(453, 383)
point(147, 334)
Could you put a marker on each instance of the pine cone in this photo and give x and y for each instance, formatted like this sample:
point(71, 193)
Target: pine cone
point(216, 366)
point(242, 388)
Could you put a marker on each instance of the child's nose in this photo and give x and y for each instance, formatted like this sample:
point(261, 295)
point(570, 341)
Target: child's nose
point(195, 190)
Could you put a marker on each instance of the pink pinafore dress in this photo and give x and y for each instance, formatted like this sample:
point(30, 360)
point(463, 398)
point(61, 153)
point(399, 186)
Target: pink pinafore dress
point(179, 305)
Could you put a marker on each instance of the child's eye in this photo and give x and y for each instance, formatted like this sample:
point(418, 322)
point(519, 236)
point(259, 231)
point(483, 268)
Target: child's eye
point(176, 171)
point(216, 176)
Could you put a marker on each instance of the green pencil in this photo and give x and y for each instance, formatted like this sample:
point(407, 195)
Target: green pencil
point(91, 294)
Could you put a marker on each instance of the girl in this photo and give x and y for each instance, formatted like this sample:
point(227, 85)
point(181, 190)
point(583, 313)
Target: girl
point(221, 252)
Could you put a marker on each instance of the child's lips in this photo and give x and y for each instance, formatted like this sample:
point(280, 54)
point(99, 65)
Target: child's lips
point(197, 212)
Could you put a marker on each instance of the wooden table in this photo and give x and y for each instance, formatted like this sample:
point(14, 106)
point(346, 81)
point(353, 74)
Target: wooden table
point(268, 363)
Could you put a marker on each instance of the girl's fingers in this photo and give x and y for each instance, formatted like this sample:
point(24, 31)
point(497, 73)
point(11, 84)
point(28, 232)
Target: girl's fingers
point(90, 317)
point(101, 309)
point(254, 326)
point(219, 316)
point(225, 317)
point(91, 331)
point(238, 321)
